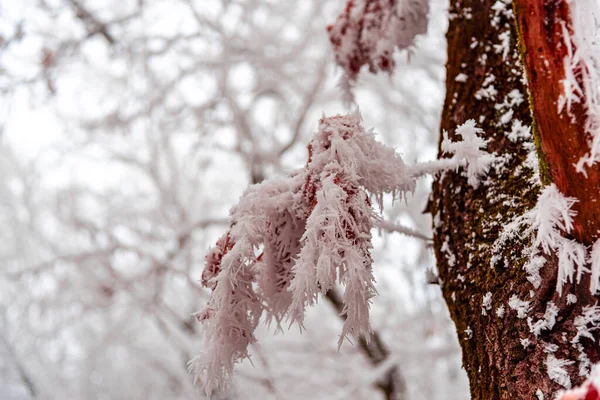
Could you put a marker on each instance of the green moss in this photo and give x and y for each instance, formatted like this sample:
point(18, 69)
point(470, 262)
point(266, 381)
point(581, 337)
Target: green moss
point(544, 167)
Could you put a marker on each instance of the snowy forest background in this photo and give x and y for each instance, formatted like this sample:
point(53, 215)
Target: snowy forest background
point(127, 130)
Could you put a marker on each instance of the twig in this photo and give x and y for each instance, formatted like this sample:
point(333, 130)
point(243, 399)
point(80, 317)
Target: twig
point(393, 385)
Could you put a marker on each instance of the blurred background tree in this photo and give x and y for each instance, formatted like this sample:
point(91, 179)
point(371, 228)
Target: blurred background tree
point(128, 129)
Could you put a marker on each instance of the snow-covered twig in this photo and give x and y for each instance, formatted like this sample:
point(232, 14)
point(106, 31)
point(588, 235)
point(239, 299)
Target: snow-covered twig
point(405, 230)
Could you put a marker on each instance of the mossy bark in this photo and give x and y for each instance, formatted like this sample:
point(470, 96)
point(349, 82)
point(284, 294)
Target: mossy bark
point(503, 358)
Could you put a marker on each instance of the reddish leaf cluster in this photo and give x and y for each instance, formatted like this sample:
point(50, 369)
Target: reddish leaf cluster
point(589, 393)
point(356, 36)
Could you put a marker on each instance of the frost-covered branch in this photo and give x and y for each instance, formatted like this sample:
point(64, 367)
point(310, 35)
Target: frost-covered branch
point(292, 239)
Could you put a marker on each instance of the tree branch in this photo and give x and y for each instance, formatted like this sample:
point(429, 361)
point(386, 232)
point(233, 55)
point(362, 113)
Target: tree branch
point(393, 385)
point(93, 25)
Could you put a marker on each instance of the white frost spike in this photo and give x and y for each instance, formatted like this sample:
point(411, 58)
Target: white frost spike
point(595, 265)
point(557, 372)
point(588, 321)
point(547, 222)
point(551, 215)
point(570, 255)
point(532, 266)
point(470, 150)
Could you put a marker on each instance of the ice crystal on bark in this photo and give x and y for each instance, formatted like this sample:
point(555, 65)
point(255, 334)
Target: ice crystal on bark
point(547, 322)
point(557, 372)
point(586, 323)
point(520, 306)
point(547, 223)
point(470, 150)
point(589, 390)
point(294, 238)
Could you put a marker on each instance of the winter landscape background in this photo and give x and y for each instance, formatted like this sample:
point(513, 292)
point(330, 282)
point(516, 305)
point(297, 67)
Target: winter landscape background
point(127, 131)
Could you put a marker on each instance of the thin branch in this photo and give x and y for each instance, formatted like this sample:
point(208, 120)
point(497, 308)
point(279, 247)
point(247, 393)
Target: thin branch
point(93, 25)
point(27, 381)
point(306, 104)
point(405, 230)
point(393, 384)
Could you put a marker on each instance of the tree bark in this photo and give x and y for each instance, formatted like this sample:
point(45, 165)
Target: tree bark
point(485, 81)
point(564, 140)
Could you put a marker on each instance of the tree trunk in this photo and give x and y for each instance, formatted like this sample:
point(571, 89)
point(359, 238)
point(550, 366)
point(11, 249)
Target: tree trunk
point(503, 358)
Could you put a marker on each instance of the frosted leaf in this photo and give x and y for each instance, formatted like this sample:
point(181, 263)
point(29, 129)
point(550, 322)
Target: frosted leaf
point(294, 238)
point(367, 32)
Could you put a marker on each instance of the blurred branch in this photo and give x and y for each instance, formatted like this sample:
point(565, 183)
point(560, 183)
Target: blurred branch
point(393, 386)
point(93, 25)
point(307, 102)
point(27, 381)
point(405, 230)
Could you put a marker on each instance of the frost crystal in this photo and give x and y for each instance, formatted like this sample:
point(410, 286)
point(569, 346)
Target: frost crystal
point(539, 394)
point(500, 311)
point(470, 150)
point(587, 322)
point(520, 306)
point(469, 333)
point(589, 390)
point(486, 303)
point(595, 265)
point(557, 372)
point(551, 215)
point(546, 223)
point(294, 238)
point(546, 323)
